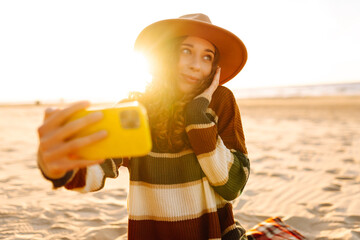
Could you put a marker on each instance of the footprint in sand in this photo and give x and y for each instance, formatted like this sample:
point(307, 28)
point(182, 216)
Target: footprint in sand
point(8, 179)
point(8, 149)
point(345, 178)
point(353, 219)
point(319, 209)
point(332, 187)
point(283, 176)
point(308, 169)
point(325, 204)
point(348, 160)
point(292, 167)
point(260, 173)
point(264, 158)
point(340, 150)
point(333, 171)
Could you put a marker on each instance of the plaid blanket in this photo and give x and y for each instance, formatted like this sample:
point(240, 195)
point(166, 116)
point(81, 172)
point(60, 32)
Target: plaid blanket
point(274, 229)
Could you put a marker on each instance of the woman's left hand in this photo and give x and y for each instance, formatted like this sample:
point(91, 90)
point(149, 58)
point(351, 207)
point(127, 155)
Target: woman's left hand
point(211, 89)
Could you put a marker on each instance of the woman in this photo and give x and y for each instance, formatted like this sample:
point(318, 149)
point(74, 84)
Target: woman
point(184, 187)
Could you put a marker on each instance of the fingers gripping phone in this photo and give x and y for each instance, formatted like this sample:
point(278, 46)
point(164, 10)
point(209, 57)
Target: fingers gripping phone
point(128, 132)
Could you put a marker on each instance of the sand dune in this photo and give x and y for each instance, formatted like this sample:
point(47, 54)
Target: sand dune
point(305, 160)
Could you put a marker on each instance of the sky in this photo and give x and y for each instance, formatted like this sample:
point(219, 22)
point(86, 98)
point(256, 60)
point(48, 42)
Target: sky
point(82, 49)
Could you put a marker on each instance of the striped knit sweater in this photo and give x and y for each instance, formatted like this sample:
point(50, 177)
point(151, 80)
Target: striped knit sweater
point(188, 194)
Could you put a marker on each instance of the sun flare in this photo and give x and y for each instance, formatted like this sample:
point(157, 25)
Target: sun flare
point(137, 72)
point(134, 77)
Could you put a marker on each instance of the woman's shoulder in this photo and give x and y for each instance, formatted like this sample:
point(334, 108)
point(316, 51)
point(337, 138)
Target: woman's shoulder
point(223, 102)
point(221, 96)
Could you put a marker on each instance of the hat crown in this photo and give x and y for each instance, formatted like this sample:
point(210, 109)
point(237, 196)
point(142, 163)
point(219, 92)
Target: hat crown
point(197, 16)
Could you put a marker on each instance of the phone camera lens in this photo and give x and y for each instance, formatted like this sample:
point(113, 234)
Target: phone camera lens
point(129, 119)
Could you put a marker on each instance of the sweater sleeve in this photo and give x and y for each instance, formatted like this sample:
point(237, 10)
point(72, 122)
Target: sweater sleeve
point(91, 178)
point(216, 136)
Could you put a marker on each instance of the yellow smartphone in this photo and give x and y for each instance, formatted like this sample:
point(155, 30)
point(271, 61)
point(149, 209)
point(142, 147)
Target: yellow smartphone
point(128, 132)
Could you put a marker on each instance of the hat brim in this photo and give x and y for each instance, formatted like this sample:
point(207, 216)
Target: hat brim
point(233, 54)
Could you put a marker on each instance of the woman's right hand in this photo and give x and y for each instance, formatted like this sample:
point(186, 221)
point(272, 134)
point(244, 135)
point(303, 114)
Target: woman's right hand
point(56, 153)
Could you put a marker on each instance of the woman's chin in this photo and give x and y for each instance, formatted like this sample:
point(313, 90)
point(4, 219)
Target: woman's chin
point(186, 88)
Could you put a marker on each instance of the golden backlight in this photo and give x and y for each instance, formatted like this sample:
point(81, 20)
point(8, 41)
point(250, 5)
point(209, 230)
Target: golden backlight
point(137, 73)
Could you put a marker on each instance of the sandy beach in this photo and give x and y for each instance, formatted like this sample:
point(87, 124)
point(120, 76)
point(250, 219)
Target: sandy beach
point(305, 168)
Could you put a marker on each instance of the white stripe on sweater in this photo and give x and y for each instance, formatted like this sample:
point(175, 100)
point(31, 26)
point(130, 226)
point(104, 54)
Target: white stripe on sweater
point(199, 126)
point(94, 179)
point(170, 155)
point(216, 164)
point(212, 113)
point(184, 201)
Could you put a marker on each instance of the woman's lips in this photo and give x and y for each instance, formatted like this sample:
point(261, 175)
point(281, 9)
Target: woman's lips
point(189, 78)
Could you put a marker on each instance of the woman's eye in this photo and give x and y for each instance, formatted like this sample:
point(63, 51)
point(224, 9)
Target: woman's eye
point(185, 51)
point(208, 57)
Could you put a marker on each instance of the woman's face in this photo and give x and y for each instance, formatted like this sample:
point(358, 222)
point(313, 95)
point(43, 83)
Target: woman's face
point(195, 62)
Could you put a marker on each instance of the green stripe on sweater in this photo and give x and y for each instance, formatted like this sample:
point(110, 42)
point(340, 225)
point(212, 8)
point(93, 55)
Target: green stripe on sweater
point(198, 106)
point(237, 178)
point(158, 170)
point(110, 169)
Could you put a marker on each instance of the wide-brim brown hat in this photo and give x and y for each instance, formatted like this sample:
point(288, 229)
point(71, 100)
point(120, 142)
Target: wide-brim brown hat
point(233, 54)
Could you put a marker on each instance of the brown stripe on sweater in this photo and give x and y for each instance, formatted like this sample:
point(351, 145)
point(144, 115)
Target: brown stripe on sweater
point(173, 219)
point(203, 140)
point(229, 124)
point(78, 181)
point(204, 227)
point(227, 217)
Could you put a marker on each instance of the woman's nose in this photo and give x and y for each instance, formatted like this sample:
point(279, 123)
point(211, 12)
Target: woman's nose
point(194, 64)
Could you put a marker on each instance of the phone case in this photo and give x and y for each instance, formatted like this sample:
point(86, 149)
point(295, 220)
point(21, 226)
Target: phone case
point(128, 132)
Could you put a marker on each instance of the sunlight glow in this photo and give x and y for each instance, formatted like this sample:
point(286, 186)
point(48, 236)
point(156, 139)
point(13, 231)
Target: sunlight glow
point(133, 76)
point(137, 73)
point(82, 50)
